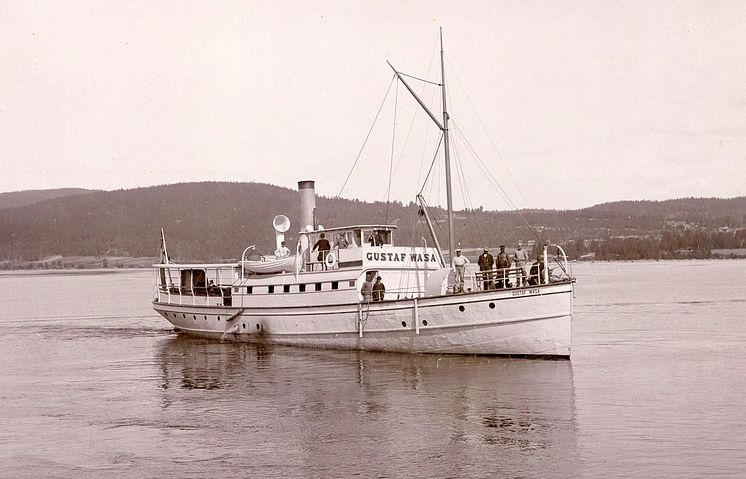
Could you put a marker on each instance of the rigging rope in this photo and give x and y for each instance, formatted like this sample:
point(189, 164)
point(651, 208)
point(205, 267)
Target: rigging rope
point(420, 79)
point(367, 136)
point(497, 152)
point(432, 163)
point(495, 183)
point(391, 159)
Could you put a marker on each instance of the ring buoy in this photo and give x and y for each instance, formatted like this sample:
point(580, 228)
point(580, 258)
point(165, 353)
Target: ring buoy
point(330, 260)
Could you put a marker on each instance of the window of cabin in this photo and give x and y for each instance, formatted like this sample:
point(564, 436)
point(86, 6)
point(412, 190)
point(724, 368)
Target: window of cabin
point(377, 237)
point(249, 289)
point(198, 278)
point(352, 283)
point(302, 288)
point(286, 288)
point(270, 289)
point(318, 286)
point(335, 284)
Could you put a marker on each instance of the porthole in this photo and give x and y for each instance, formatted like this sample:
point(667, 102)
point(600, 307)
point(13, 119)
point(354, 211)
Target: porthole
point(194, 317)
point(205, 317)
point(218, 318)
point(424, 322)
point(257, 326)
point(492, 305)
point(461, 308)
point(244, 325)
point(404, 323)
point(183, 315)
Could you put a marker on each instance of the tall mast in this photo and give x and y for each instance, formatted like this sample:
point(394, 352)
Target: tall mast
point(444, 128)
point(449, 196)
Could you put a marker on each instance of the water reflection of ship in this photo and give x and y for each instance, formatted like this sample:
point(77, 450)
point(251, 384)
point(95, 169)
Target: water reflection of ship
point(493, 410)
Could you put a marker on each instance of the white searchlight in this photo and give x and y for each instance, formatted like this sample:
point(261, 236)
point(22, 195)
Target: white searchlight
point(281, 224)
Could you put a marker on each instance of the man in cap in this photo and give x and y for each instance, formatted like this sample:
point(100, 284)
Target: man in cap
point(537, 271)
point(521, 260)
point(486, 262)
point(503, 264)
point(378, 290)
point(324, 247)
point(459, 266)
point(367, 289)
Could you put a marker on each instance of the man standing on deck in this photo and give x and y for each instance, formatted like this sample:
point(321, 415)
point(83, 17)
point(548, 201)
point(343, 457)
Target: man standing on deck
point(521, 260)
point(324, 247)
point(502, 263)
point(486, 261)
point(537, 272)
point(459, 266)
point(367, 289)
point(378, 290)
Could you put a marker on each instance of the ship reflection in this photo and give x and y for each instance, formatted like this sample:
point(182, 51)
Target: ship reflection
point(469, 405)
point(189, 363)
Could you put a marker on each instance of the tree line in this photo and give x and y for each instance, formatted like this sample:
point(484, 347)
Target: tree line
point(212, 221)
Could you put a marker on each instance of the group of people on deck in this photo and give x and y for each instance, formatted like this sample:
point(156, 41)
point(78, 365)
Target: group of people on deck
point(495, 272)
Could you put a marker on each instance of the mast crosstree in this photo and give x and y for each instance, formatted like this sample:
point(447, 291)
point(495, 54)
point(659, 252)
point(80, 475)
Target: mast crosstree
point(446, 143)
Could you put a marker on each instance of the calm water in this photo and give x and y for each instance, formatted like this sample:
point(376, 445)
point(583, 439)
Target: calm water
point(94, 384)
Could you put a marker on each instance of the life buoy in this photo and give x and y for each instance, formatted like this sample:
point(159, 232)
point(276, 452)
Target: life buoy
point(330, 260)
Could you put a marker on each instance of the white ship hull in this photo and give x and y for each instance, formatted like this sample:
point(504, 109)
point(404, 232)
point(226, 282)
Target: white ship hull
point(534, 321)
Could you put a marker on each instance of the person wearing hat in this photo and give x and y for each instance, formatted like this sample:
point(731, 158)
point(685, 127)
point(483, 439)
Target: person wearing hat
point(324, 247)
point(521, 260)
point(537, 271)
point(378, 290)
point(486, 261)
point(367, 289)
point(459, 266)
point(502, 263)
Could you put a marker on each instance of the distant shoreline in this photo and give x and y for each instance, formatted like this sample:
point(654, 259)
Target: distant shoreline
point(30, 268)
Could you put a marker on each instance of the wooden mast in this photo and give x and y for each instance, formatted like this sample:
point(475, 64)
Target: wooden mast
point(446, 151)
point(446, 143)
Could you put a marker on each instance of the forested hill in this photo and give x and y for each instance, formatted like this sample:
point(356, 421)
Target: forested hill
point(202, 221)
point(29, 197)
point(217, 220)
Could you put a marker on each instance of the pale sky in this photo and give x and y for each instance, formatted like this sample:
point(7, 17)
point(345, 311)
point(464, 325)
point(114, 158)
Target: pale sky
point(584, 101)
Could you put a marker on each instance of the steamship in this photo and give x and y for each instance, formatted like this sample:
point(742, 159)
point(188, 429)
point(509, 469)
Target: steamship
point(323, 300)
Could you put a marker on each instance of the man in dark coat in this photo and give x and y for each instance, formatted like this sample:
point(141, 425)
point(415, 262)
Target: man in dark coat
point(324, 247)
point(536, 275)
point(503, 264)
point(486, 262)
point(378, 290)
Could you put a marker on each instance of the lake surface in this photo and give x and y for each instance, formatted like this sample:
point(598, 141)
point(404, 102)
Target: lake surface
point(94, 384)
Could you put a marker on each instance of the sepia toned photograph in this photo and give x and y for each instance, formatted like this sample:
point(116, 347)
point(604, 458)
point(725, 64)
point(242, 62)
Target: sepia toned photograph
point(372, 239)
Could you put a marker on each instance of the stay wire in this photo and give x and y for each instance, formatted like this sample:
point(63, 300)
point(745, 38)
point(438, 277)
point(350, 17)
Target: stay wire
point(391, 158)
point(420, 79)
point(432, 163)
point(432, 97)
point(496, 184)
point(492, 142)
point(367, 136)
point(461, 175)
